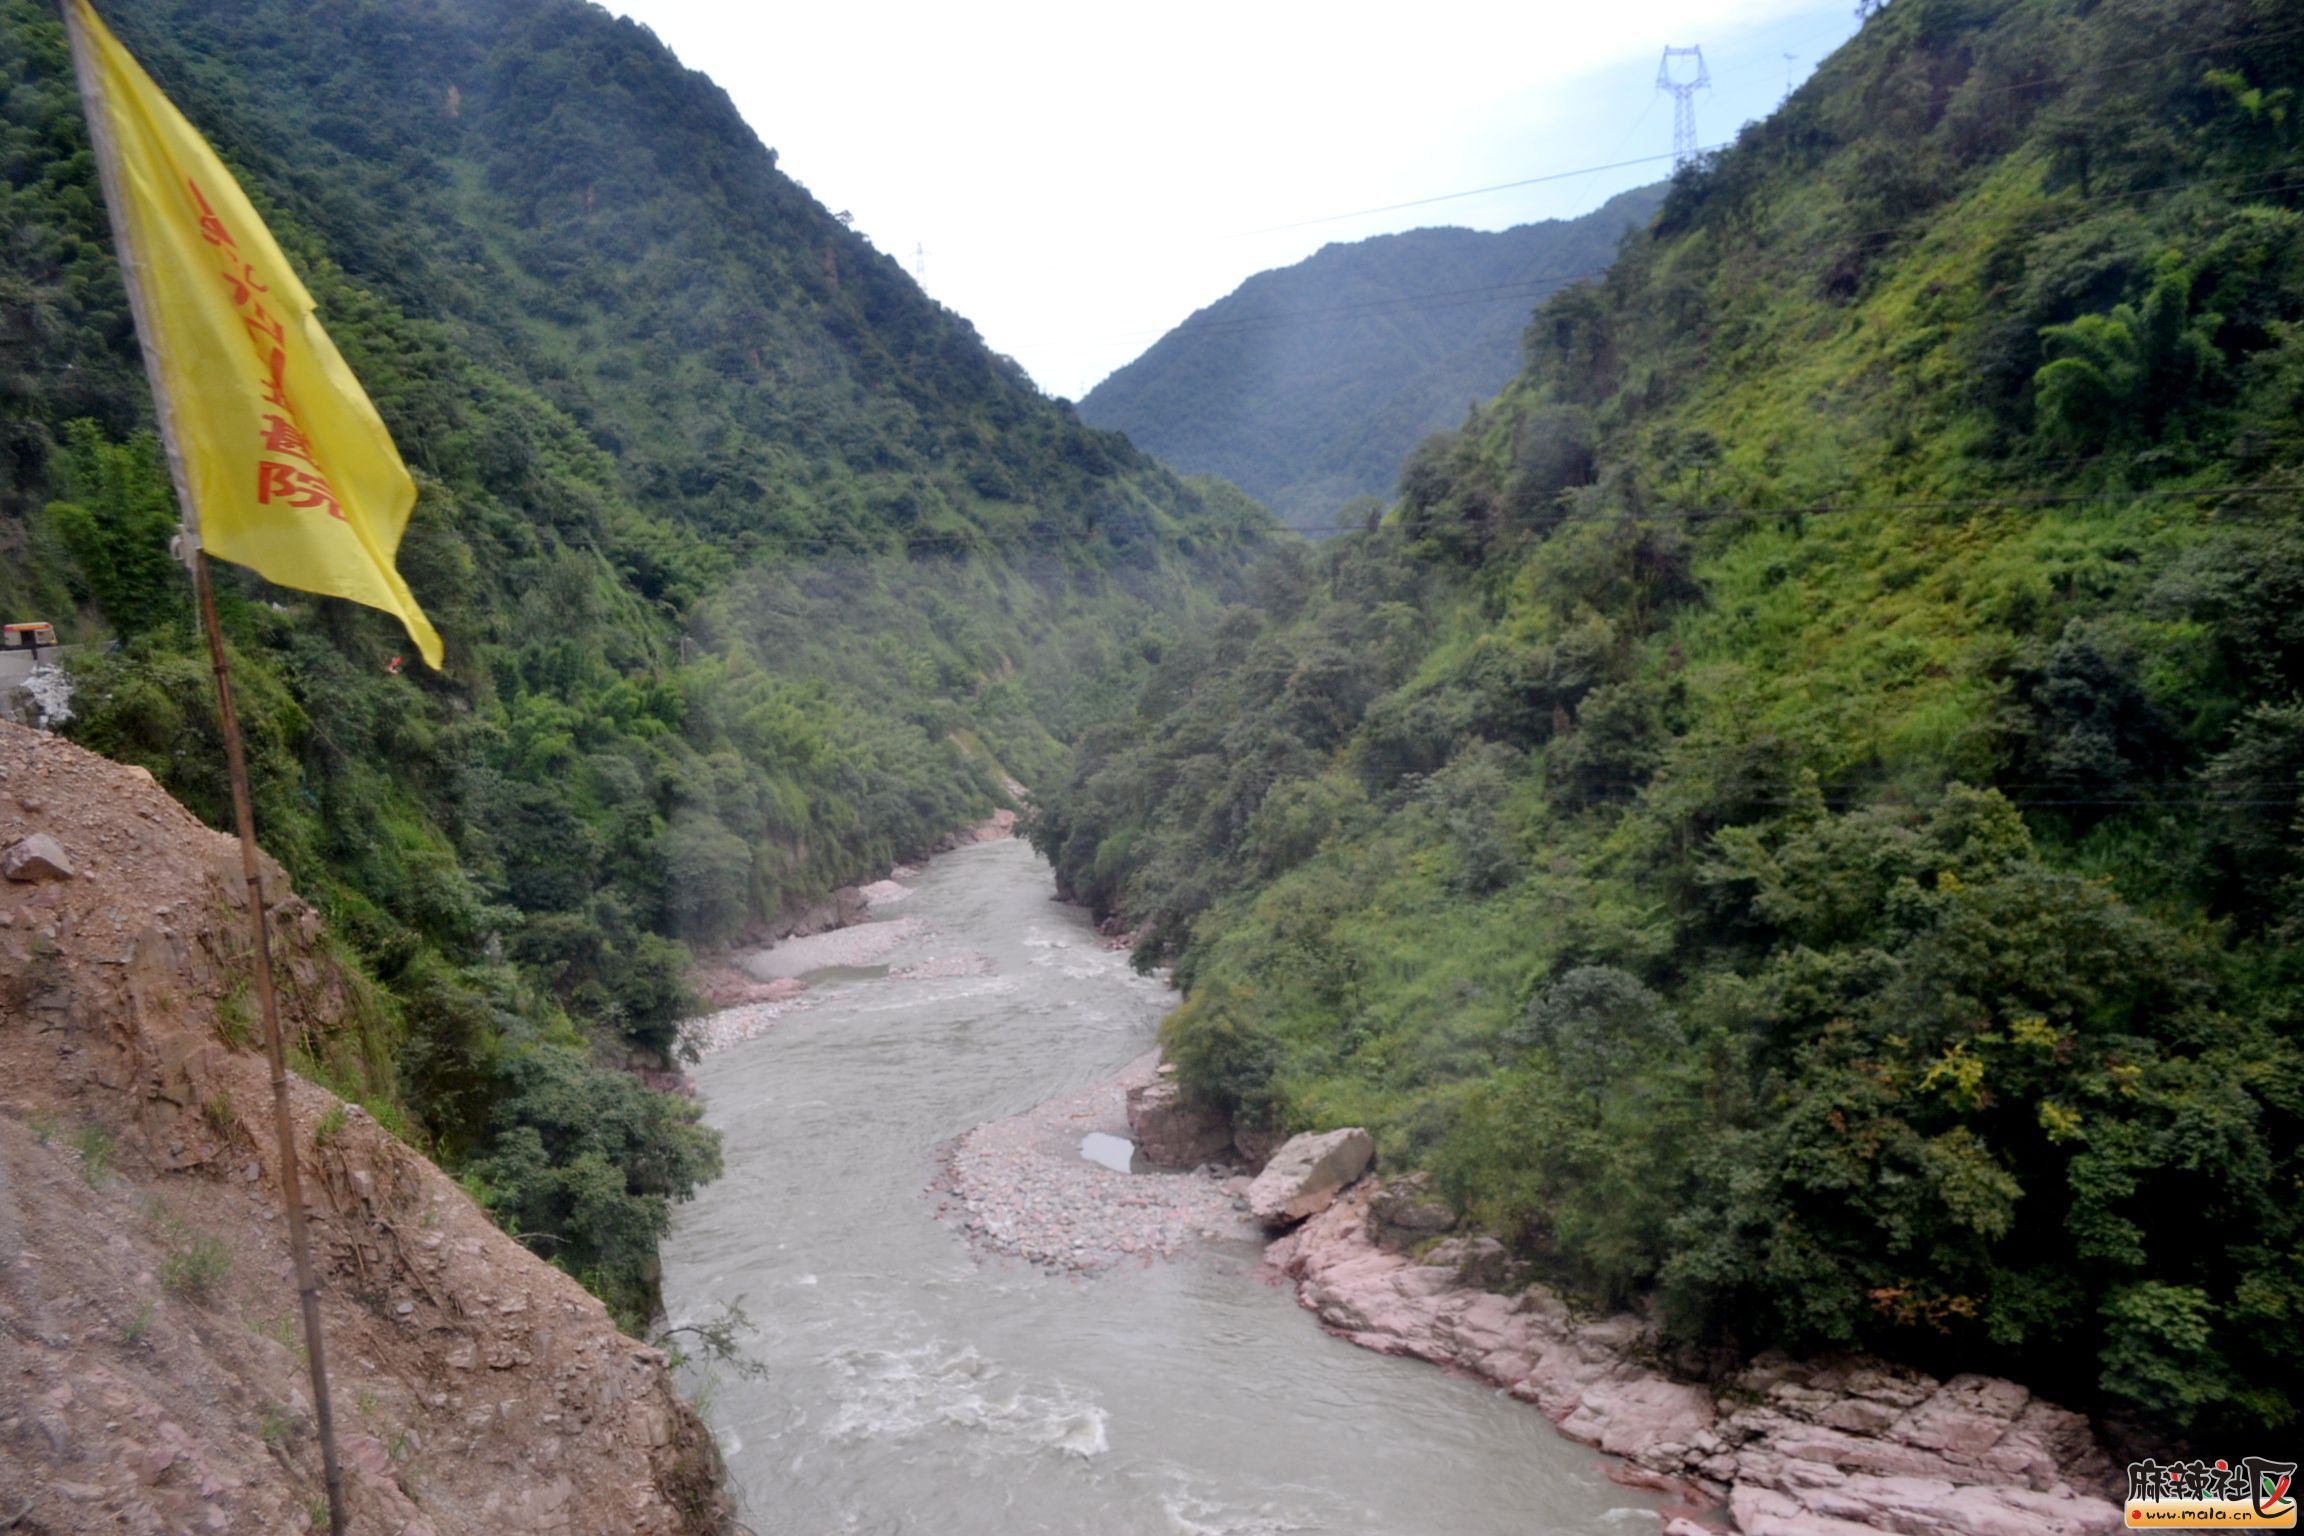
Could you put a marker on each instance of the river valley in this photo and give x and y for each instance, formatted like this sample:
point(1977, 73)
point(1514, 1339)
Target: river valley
point(917, 1385)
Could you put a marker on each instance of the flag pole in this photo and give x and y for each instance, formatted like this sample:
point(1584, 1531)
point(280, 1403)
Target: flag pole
point(235, 762)
point(283, 1121)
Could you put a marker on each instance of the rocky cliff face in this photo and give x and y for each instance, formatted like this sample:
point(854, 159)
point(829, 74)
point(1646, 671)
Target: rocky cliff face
point(148, 1331)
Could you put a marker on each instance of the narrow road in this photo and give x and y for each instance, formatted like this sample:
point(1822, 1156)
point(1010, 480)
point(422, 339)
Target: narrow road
point(15, 665)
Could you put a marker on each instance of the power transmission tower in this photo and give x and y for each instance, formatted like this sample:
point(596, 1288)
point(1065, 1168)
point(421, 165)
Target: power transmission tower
point(1789, 60)
point(1683, 93)
point(920, 262)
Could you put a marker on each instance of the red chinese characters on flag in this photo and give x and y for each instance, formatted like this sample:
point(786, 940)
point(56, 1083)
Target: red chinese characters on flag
point(306, 488)
point(212, 228)
point(243, 285)
point(282, 436)
point(295, 487)
point(280, 459)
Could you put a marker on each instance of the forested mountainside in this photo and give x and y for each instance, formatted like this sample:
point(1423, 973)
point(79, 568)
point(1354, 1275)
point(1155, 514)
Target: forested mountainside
point(1795, 813)
point(756, 568)
point(1307, 385)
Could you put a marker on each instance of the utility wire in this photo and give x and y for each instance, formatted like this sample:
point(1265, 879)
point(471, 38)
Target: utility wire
point(2249, 40)
point(1542, 285)
point(1450, 197)
point(1888, 796)
point(1519, 288)
point(990, 542)
point(1712, 514)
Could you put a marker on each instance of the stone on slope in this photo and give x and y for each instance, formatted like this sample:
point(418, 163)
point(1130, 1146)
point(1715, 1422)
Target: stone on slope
point(35, 858)
point(1305, 1175)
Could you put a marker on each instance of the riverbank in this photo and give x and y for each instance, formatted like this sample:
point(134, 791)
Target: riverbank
point(747, 989)
point(914, 1374)
point(1022, 1187)
point(1791, 1448)
point(1780, 1448)
point(1846, 1447)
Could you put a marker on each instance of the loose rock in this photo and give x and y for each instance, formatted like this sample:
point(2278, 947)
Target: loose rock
point(1305, 1174)
point(35, 859)
point(1404, 1212)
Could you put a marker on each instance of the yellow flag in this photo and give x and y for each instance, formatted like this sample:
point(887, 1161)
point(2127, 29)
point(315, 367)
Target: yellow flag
point(288, 467)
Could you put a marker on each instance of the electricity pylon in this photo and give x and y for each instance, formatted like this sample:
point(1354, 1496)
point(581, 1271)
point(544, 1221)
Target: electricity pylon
point(1683, 93)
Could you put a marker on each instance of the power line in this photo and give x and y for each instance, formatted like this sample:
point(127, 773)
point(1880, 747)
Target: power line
point(1714, 514)
point(1879, 233)
point(1890, 796)
point(1520, 287)
point(1514, 289)
point(1450, 197)
point(2250, 40)
point(891, 544)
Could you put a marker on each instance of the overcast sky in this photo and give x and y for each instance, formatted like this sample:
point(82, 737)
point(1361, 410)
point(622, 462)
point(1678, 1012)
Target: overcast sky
point(1084, 178)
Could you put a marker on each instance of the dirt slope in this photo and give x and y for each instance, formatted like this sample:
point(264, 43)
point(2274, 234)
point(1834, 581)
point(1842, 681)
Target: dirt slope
point(151, 1375)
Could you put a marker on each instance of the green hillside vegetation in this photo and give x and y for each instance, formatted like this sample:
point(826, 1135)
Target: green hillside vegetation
point(1794, 818)
point(757, 570)
point(1307, 386)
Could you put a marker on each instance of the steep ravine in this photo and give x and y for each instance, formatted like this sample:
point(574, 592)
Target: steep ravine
point(148, 1329)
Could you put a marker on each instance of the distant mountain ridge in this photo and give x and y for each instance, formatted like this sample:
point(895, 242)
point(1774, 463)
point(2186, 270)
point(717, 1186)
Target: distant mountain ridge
point(1307, 385)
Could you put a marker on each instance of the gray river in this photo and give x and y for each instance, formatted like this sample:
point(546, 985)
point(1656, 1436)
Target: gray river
point(915, 1386)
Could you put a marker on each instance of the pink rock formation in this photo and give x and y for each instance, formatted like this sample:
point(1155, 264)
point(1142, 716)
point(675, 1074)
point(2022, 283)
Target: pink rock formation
point(1817, 1448)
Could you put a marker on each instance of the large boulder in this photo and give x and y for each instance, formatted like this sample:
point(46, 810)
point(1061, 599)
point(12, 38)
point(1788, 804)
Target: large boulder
point(1306, 1173)
point(1172, 1131)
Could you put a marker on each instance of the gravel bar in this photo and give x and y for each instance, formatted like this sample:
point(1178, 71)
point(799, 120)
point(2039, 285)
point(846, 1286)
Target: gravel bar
point(1021, 1187)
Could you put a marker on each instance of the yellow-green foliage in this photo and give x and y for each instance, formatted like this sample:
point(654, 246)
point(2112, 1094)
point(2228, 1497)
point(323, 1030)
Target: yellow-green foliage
point(1825, 855)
